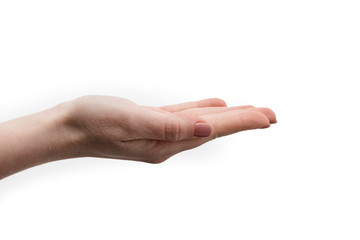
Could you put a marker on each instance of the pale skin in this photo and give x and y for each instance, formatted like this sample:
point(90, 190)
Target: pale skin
point(113, 127)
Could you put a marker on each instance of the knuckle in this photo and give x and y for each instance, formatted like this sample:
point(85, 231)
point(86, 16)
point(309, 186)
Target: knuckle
point(172, 130)
point(260, 120)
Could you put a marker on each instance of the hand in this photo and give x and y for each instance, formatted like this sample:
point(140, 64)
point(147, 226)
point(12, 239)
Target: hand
point(117, 128)
point(112, 127)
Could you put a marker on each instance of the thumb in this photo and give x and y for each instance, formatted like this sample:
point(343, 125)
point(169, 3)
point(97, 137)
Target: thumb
point(170, 127)
point(179, 129)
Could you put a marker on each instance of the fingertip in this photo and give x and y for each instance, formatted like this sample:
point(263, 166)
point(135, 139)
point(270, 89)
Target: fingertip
point(267, 112)
point(254, 119)
point(216, 102)
point(271, 114)
point(266, 125)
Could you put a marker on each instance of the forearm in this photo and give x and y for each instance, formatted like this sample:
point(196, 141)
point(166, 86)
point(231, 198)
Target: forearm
point(36, 139)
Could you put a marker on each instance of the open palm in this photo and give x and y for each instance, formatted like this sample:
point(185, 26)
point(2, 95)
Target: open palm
point(118, 128)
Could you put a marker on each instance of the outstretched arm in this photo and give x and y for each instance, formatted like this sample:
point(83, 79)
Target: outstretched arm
point(112, 127)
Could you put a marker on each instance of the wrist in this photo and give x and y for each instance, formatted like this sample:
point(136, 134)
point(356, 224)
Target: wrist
point(38, 138)
point(68, 138)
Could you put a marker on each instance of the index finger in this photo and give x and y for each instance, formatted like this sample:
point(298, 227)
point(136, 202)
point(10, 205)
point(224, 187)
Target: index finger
point(209, 102)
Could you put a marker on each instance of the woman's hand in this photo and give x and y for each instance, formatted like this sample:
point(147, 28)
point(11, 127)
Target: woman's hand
point(112, 127)
point(118, 128)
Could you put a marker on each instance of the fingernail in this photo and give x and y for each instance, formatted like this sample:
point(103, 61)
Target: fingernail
point(202, 130)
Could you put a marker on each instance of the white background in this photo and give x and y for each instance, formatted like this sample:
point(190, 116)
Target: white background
point(299, 179)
